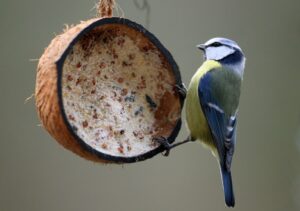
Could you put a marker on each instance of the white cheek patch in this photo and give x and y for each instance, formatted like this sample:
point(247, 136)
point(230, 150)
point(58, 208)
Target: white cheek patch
point(218, 53)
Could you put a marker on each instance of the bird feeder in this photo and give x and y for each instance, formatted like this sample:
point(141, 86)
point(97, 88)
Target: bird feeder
point(106, 88)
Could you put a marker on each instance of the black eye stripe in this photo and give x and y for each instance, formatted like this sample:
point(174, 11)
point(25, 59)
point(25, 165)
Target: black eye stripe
point(215, 44)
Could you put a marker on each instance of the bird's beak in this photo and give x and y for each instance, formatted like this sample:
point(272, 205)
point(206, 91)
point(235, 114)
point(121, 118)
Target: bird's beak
point(201, 47)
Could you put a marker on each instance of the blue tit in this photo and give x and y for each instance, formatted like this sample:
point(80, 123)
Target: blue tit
point(212, 104)
point(212, 101)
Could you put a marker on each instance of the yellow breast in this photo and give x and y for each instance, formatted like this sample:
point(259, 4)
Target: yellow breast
point(196, 120)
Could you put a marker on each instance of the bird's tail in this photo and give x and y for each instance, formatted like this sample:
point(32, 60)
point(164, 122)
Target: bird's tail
point(227, 186)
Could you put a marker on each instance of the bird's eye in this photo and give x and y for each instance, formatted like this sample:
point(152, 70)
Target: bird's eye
point(216, 44)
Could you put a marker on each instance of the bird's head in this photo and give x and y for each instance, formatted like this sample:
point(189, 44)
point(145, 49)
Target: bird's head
point(225, 51)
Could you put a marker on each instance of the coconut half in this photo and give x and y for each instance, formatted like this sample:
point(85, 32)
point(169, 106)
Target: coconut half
point(106, 89)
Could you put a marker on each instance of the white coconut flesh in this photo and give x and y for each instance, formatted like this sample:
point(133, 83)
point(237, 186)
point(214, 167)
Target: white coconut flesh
point(114, 82)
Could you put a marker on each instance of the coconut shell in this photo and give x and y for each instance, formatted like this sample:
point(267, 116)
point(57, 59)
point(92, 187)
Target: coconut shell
point(57, 74)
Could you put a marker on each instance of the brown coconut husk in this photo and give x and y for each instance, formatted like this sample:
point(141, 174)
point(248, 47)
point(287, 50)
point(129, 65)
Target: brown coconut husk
point(50, 94)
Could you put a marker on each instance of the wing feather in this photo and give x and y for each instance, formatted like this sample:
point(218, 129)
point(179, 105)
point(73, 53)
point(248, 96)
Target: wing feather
point(221, 121)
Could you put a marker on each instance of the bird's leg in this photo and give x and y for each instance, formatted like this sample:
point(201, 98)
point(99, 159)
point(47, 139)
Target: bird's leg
point(181, 89)
point(167, 146)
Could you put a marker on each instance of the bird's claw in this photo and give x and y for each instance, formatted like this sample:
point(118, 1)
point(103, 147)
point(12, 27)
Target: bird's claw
point(164, 142)
point(181, 89)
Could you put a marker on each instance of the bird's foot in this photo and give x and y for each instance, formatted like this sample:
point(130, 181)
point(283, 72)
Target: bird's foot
point(167, 146)
point(164, 142)
point(181, 89)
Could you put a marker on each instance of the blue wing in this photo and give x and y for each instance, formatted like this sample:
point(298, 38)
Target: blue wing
point(221, 124)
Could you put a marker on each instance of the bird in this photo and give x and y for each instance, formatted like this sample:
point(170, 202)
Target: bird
point(212, 100)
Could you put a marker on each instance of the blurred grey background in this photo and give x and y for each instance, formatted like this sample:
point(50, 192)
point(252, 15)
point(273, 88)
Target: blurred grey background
point(36, 173)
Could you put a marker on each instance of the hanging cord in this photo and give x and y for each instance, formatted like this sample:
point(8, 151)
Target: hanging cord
point(105, 8)
point(144, 6)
